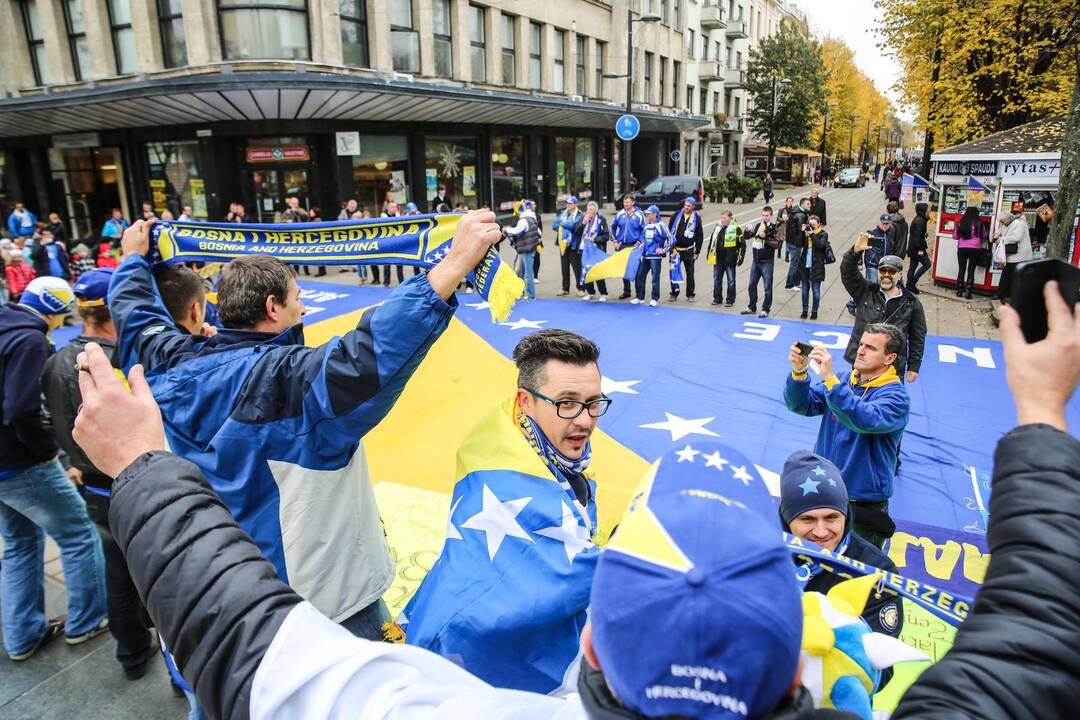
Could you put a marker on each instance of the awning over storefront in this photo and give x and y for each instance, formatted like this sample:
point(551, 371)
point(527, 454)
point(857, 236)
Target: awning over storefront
point(291, 95)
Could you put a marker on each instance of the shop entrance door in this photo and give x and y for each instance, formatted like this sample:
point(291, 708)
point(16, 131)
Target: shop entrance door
point(273, 186)
point(87, 182)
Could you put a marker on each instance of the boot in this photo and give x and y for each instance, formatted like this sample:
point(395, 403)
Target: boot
point(959, 289)
point(967, 293)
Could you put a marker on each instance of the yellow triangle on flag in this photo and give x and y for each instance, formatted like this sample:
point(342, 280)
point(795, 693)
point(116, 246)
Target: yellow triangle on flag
point(641, 535)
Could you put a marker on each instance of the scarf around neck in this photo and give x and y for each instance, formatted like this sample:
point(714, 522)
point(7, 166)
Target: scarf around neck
point(560, 466)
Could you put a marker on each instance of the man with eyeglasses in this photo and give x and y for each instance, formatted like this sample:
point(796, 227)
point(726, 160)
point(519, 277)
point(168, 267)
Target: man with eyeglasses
point(884, 301)
point(507, 597)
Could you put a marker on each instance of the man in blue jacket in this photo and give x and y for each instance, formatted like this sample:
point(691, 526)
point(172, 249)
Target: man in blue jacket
point(626, 230)
point(863, 419)
point(21, 222)
point(568, 230)
point(277, 426)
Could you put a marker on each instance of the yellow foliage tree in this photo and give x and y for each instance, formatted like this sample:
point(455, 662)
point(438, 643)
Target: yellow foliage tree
point(971, 69)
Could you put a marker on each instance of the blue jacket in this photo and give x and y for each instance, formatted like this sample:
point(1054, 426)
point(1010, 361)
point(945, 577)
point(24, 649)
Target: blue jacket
point(861, 428)
point(17, 229)
point(276, 426)
point(114, 228)
point(24, 348)
point(656, 240)
point(568, 228)
point(626, 230)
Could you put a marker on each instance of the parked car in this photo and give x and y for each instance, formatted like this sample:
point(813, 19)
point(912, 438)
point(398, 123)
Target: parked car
point(850, 177)
point(667, 192)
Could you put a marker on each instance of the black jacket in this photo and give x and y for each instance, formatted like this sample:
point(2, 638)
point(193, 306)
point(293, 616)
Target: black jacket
point(24, 348)
point(796, 219)
point(39, 257)
point(817, 259)
point(880, 611)
point(817, 207)
point(767, 253)
point(62, 398)
point(917, 232)
point(1016, 655)
point(900, 235)
point(870, 308)
point(684, 243)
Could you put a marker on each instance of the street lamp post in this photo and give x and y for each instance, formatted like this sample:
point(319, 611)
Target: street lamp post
point(824, 130)
point(776, 86)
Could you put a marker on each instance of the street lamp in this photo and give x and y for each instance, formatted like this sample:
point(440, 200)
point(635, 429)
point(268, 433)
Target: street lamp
point(776, 83)
point(629, 75)
point(824, 130)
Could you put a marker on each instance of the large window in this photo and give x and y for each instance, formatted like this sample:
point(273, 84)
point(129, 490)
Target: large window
point(663, 80)
point(676, 81)
point(509, 50)
point(690, 39)
point(354, 41)
point(175, 179)
point(123, 36)
point(675, 15)
point(444, 62)
point(573, 168)
point(271, 29)
point(35, 38)
point(477, 51)
point(173, 43)
point(452, 162)
point(381, 167)
point(535, 45)
point(507, 171)
point(598, 86)
point(404, 40)
point(76, 30)
point(579, 64)
point(560, 61)
point(648, 77)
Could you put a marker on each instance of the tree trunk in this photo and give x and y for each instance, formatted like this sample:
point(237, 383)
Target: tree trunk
point(770, 161)
point(1068, 195)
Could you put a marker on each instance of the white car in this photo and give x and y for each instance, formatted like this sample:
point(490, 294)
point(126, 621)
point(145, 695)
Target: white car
point(850, 177)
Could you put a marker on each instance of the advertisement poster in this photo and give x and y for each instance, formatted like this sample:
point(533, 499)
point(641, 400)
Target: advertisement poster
point(398, 187)
point(468, 180)
point(431, 182)
point(198, 198)
point(560, 173)
point(157, 193)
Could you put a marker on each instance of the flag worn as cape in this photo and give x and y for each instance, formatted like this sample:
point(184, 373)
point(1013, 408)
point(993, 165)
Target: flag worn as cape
point(507, 597)
point(622, 264)
point(418, 240)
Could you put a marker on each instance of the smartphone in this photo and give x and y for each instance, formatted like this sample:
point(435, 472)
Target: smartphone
point(804, 348)
point(1027, 292)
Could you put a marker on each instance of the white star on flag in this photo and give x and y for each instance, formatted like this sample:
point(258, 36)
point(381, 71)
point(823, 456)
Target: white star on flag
point(497, 520)
point(609, 386)
point(570, 533)
point(452, 533)
point(482, 305)
point(524, 324)
point(687, 454)
point(714, 460)
point(739, 471)
point(681, 427)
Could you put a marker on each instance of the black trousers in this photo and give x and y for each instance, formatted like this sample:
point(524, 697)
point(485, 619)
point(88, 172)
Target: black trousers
point(602, 284)
point(386, 274)
point(571, 259)
point(687, 257)
point(1005, 287)
point(966, 259)
point(128, 621)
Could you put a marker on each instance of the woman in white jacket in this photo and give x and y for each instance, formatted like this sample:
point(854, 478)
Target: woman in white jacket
point(1016, 239)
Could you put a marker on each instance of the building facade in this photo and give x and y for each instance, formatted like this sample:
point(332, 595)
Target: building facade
point(111, 103)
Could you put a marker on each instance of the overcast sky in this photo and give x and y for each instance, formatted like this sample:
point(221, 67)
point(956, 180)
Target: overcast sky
point(855, 21)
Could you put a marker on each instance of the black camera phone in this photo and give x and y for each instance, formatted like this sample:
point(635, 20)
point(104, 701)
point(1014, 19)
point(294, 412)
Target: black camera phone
point(1027, 292)
point(804, 348)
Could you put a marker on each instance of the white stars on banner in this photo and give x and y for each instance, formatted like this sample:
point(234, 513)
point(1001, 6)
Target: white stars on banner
point(681, 427)
point(524, 324)
point(609, 386)
point(498, 520)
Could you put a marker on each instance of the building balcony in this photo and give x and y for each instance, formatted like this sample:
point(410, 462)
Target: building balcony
point(736, 29)
point(734, 78)
point(712, 18)
point(709, 70)
point(728, 124)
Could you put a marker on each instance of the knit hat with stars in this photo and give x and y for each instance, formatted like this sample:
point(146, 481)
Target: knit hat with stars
point(810, 482)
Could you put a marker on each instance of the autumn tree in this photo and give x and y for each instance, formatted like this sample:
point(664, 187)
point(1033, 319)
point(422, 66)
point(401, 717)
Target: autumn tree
point(786, 85)
point(971, 69)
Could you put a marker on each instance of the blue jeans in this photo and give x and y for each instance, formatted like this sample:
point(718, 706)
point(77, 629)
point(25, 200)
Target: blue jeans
point(763, 270)
point(42, 498)
point(807, 285)
point(794, 253)
point(525, 272)
point(649, 265)
point(721, 271)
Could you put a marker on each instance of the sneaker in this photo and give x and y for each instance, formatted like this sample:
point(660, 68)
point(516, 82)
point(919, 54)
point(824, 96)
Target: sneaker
point(813, 316)
point(624, 296)
point(53, 630)
point(602, 298)
point(763, 314)
point(690, 298)
point(652, 303)
point(586, 297)
point(635, 301)
point(102, 626)
point(802, 315)
point(717, 302)
point(729, 304)
point(748, 311)
point(583, 294)
point(562, 293)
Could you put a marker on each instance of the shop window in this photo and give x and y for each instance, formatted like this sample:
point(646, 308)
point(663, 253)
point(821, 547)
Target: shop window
point(35, 39)
point(123, 36)
point(507, 171)
point(598, 81)
point(381, 167)
point(956, 202)
point(354, 40)
point(175, 179)
point(573, 169)
point(579, 64)
point(89, 182)
point(76, 30)
point(509, 50)
point(452, 161)
point(477, 51)
point(264, 29)
point(535, 55)
point(404, 40)
point(173, 42)
point(560, 61)
point(444, 63)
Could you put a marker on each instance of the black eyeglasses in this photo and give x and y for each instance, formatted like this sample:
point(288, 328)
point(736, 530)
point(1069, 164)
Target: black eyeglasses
point(570, 409)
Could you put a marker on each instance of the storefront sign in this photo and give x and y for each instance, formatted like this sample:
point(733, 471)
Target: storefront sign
point(282, 153)
point(1031, 168)
point(967, 167)
point(348, 143)
point(76, 140)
